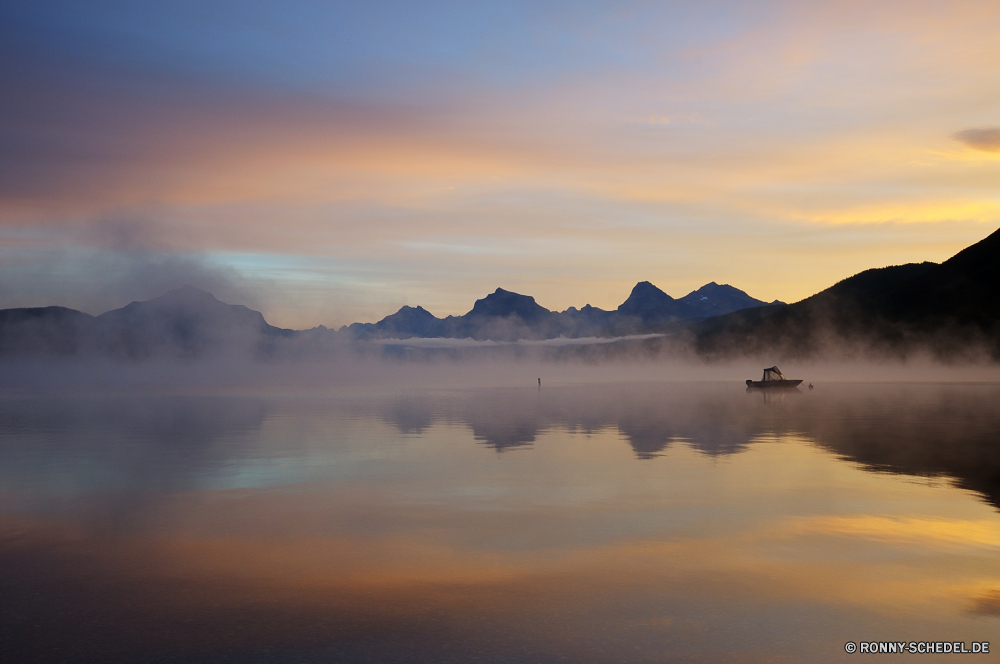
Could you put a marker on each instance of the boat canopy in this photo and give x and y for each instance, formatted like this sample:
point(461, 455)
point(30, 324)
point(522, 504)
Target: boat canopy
point(774, 373)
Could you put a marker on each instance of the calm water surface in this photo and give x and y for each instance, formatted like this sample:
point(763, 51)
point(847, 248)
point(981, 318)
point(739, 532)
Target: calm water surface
point(625, 523)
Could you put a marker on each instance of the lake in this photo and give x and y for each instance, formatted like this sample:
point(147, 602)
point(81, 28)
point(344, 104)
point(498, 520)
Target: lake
point(645, 522)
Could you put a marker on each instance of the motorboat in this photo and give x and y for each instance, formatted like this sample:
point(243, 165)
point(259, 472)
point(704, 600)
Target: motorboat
point(773, 378)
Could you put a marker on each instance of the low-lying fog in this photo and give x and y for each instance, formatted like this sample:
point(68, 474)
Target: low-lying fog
point(353, 372)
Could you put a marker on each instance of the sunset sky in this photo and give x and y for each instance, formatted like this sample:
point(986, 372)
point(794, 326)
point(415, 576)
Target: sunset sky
point(329, 162)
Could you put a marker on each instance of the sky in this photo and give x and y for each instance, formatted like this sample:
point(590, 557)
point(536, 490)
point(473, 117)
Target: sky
point(329, 162)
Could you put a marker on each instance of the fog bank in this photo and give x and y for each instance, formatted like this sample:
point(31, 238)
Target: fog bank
point(351, 373)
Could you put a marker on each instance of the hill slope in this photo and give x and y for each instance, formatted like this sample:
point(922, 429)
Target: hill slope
point(949, 309)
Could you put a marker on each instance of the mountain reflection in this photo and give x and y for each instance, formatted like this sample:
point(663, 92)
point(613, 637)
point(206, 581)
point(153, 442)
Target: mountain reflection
point(410, 416)
point(173, 443)
point(649, 418)
point(934, 430)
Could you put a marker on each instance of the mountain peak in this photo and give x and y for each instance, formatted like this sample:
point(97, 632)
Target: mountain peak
point(645, 297)
point(502, 303)
point(407, 322)
point(652, 305)
point(190, 304)
point(714, 299)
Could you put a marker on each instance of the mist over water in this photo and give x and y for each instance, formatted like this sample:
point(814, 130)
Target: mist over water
point(510, 365)
point(638, 521)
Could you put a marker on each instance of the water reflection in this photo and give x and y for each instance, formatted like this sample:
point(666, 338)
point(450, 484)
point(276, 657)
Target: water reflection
point(174, 443)
point(647, 417)
point(638, 523)
point(929, 432)
point(68, 445)
point(918, 430)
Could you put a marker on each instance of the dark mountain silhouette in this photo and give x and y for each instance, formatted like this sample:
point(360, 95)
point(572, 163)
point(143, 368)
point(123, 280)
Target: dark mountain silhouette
point(501, 303)
point(507, 316)
point(185, 322)
point(416, 321)
point(406, 323)
point(964, 290)
point(946, 309)
point(42, 330)
point(843, 314)
point(949, 310)
point(713, 299)
point(650, 305)
point(896, 310)
point(502, 316)
point(591, 321)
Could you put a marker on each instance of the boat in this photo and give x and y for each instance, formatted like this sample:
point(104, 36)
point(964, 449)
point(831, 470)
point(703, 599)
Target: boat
point(773, 378)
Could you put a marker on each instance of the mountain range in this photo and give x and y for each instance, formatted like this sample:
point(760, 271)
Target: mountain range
point(506, 316)
point(944, 309)
point(189, 323)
